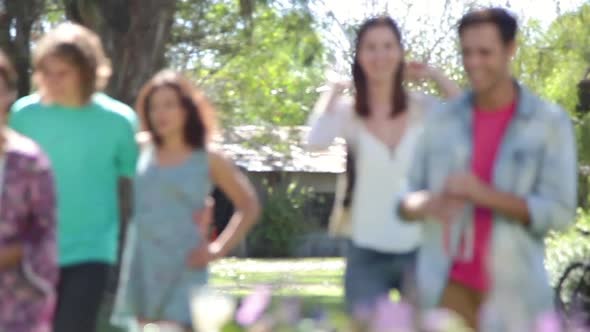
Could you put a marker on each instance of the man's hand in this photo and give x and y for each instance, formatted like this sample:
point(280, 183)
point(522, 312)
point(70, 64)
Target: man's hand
point(443, 207)
point(424, 205)
point(466, 186)
point(469, 187)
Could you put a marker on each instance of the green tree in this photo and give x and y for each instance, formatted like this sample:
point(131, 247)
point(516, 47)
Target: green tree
point(260, 70)
point(135, 34)
point(429, 38)
point(17, 20)
point(552, 62)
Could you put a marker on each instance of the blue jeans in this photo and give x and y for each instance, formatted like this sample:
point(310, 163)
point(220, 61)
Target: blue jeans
point(372, 274)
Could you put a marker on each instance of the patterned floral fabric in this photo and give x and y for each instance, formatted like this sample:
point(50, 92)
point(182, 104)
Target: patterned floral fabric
point(27, 217)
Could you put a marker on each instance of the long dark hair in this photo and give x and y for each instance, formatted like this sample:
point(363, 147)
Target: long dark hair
point(399, 97)
point(361, 107)
point(199, 123)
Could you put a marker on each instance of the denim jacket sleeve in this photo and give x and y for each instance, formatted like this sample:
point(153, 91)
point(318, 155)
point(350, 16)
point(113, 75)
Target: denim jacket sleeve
point(552, 203)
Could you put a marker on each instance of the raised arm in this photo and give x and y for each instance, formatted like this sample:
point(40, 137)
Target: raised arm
point(417, 72)
point(447, 86)
point(331, 115)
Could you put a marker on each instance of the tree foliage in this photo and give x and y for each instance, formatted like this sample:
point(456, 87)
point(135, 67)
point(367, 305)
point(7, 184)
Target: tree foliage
point(262, 60)
point(263, 70)
point(135, 34)
point(552, 62)
point(259, 60)
point(17, 21)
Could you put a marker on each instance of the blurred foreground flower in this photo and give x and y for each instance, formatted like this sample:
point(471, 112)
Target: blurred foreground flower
point(289, 311)
point(211, 309)
point(163, 327)
point(254, 306)
point(257, 314)
point(549, 322)
point(443, 320)
point(392, 316)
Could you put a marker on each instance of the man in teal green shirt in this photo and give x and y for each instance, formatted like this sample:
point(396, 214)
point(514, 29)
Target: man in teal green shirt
point(90, 140)
point(90, 148)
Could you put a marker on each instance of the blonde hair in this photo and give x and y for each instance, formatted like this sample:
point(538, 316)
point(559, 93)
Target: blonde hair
point(79, 47)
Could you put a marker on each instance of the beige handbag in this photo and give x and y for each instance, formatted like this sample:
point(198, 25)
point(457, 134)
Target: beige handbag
point(340, 224)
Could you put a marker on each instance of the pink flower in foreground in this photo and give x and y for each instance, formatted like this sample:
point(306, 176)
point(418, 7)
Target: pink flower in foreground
point(254, 306)
point(548, 322)
point(391, 316)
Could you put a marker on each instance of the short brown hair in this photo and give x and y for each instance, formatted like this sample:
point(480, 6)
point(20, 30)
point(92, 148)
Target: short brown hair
point(200, 117)
point(81, 48)
point(8, 73)
point(500, 17)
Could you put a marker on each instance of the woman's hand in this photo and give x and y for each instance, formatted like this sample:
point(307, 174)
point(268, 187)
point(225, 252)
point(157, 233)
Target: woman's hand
point(204, 254)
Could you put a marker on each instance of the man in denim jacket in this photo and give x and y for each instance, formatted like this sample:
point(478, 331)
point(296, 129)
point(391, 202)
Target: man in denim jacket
point(494, 172)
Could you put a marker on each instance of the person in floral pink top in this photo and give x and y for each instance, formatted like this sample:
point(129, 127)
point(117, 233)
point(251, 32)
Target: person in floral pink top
point(28, 254)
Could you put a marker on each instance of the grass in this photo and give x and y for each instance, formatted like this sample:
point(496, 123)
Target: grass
point(316, 281)
point(320, 278)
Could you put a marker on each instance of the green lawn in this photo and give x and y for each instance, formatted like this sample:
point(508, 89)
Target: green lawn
point(316, 281)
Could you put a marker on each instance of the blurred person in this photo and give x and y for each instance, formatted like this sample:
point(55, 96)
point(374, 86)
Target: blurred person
point(494, 172)
point(166, 255)
point(28, 250)
point(380, 125)
point(89, 139)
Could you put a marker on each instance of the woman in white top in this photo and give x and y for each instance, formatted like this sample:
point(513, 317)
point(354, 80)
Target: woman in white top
point(380, 125)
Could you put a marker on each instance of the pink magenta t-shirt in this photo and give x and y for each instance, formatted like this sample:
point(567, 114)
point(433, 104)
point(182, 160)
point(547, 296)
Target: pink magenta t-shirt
point(489, 127)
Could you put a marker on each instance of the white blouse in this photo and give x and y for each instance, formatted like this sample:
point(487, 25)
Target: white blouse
point(380, 173)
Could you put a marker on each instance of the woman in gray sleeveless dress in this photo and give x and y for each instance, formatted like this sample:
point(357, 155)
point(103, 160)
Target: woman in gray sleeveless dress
point(166, 252)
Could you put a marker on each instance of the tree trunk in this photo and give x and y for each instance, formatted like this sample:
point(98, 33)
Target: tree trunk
point(135, 34)
point(16, 22)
